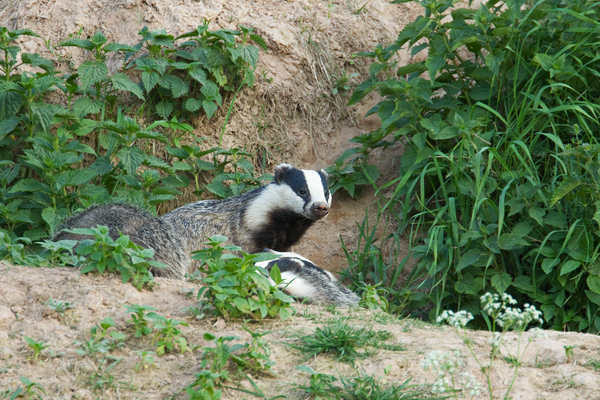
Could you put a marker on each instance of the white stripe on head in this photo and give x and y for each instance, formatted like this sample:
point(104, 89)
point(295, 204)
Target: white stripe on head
point(288, 254)
point(315, 187)
point(272, 197)
point(296, 286)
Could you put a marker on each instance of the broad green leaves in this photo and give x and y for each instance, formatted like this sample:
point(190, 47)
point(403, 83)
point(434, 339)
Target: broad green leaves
point(498, 183)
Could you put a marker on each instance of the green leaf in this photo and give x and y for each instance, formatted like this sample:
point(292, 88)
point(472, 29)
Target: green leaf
point(198, 74)
point(501, 282)
point(86, 105)
point(434, 63)
point(594, 297)
point(249, 54)
point(10, 99)
point(464, 41)
point(569, 266)
point(466, 285)
point(567, 186)
point(164, 109)
point(49, 215)
point(8, 125)
point(179, 87)
point(538, 214)
point(91, 72)
point(44, 113)
point(150, 79)
point(119, 47)
point(511, 241)
point(283, 297)
point(556, 219)
point(494, 61)
point(544, 60)
point(38, 61)
point(75, 42)
point(28, 185)
point(523, 283)
point(192, 104)
point(410, 68)
point(242, 304)
point(122, 82)
point(549, 263)
point(259, 41)
point(209, 107)
point(132, 158)
point(98, 38)
point(468, 258)
point(593, 282)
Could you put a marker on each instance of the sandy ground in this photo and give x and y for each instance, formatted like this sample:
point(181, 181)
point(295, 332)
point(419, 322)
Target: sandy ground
point(546, 371)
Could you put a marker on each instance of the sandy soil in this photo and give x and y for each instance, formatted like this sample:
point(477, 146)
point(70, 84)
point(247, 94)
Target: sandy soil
point(289, 116)
point(546, 371)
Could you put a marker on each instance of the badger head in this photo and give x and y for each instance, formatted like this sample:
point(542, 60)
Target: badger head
point(304, 192)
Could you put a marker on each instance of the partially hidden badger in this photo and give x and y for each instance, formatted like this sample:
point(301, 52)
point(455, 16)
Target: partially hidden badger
point(273, 216)
point(303, 279)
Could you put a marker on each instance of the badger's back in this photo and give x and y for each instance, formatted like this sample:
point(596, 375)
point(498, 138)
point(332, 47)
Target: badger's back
point(143, 229)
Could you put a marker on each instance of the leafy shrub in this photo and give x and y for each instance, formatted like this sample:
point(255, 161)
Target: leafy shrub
point(188, 76)
point(500, 123)
point(122, 256)
point(167, 333)
point(89, 149)
point(235, 287)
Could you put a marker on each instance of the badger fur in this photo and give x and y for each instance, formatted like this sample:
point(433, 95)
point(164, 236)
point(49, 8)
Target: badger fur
point(275, 216)
point(303, 279)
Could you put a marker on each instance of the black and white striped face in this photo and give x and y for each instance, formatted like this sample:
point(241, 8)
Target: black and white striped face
point(308, 192)
point(301, 277)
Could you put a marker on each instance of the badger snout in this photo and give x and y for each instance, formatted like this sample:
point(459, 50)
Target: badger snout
point(319, 210)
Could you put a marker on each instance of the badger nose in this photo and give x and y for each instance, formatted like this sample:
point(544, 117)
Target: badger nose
point(320, 209)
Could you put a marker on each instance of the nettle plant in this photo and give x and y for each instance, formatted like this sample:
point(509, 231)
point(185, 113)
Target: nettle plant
point(500, 124)
point(234, 287)
point(187, 76)
point(89, 147)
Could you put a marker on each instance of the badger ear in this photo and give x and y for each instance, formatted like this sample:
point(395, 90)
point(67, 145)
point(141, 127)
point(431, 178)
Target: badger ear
point(281, 171)
point(325, 175)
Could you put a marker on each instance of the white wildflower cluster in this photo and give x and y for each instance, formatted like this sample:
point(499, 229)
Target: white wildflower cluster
point(469, 384)
point(539, 333)
point(442, 363)
point(446, 366)
point(496, 340)
point(498, 307)
point(460, 319)
point(442, 385)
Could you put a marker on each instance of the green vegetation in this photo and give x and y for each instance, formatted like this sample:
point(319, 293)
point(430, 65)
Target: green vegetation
point(362, 387)
point(344, 341)
point(90, 148)
point(37, 347)
point(501, 315)
point(498, 185)
point(234, 287)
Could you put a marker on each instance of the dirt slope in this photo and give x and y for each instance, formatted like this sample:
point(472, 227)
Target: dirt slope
point(546, 371)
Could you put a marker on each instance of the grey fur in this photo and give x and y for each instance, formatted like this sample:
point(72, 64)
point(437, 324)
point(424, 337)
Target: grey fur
point(143, 229)
point(303, 279)
point(274, 216)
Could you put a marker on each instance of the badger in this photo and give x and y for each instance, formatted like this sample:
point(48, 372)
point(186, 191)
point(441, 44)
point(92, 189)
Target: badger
point(273, 216)
point(303, 279)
